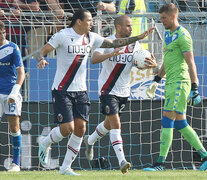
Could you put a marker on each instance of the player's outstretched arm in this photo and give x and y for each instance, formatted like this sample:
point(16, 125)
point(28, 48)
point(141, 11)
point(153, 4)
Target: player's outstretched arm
point(99, 57)
point(40, 55)
point(110, 43)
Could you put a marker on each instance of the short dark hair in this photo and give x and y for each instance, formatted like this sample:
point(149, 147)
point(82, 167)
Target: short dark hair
point(169, 9)
point(119, 20)
point(2, 26)
point(79, 14)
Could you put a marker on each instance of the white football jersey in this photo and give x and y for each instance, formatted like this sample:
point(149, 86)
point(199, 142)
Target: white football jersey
point(72, 54)
point(115, 76)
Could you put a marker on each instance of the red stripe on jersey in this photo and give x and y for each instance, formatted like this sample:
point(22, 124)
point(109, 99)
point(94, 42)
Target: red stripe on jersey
point(111, 77)
point(69, 72)
point(127, 49)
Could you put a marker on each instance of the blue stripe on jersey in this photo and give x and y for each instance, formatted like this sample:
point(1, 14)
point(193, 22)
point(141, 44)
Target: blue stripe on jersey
point(171, 36)
point(10, 60)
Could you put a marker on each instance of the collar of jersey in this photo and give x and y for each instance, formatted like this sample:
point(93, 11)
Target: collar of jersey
point(176, 29)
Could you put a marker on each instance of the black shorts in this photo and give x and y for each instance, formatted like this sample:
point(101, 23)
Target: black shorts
point(111, 104)
point(70, 105)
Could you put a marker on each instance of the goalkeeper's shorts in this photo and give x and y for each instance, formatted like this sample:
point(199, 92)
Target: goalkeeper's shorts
point(176, 95)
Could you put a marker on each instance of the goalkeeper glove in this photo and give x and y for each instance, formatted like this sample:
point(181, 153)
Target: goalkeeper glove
point(194, 98)
point(152, 88)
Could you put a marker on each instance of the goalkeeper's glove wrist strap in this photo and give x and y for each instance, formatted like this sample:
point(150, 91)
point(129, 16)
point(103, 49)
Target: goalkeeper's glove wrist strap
point(194, 86)
point(157, 78)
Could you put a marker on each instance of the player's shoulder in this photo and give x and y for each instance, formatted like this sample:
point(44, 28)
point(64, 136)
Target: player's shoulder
point(94, 35)
point(11, 45)
point(183, 31)
point(111, 37)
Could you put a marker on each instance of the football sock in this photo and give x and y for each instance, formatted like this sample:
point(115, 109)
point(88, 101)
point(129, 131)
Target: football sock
point(191, 136)
point(16, 141)
point(54, 136)
point(165, 142)
point(117, 143)
point(97, 134)
point(73, 147)
point(161, 159)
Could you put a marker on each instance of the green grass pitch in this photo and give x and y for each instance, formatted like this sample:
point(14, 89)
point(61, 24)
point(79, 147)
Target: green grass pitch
point(107, 175)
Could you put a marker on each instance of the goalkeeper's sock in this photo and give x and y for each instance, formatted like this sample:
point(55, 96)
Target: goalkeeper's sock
point(191, 136)
point(166, 141)
point(166, 135)
point(117, 143)
point(97, 134)
point(54, 136)
point(16, 141)
point(161, 159)
point(73, 147)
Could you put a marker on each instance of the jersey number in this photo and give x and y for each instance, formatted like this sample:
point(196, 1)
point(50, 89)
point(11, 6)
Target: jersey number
point(122, 107)
point(12, 107)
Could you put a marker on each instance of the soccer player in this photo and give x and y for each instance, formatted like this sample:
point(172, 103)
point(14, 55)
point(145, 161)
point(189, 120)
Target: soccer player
point(12, 75)
point(70, 98)
point(181, 86)
point(114, 89)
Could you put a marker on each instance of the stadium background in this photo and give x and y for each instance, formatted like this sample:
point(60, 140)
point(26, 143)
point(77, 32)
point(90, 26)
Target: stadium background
point(140, 119)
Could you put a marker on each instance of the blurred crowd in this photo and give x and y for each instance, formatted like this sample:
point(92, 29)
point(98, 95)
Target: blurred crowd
point(30, 38)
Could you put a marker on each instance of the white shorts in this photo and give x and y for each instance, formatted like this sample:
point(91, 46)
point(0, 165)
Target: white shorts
point(14, 109)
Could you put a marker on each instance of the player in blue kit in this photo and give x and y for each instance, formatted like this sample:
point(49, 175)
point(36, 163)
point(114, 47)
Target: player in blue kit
point(12, 75)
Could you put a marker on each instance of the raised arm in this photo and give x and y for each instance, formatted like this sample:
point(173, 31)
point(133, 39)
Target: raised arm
point(110, 43)
point(109, 7)
point(99, 57)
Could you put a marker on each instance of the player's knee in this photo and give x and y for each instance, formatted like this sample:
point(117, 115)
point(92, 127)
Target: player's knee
point(115, 125)
point(167, 122)
point(66, 129)
point(180, 124)
point(80, 130)
point(14, 128)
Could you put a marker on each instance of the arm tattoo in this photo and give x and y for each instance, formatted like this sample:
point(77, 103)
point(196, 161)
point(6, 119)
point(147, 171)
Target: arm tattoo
point(109, 43)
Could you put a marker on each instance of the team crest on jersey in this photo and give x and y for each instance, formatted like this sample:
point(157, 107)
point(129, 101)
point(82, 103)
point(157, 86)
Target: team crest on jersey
point(60, 117)
point(174, 37)
point(6, 52)
point(107, 109)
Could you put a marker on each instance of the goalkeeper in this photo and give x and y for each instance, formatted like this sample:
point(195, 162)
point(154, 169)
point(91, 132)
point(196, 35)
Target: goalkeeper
point(181, 86)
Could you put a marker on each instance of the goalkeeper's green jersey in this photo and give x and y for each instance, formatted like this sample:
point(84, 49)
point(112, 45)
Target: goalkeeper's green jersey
point(176, 43)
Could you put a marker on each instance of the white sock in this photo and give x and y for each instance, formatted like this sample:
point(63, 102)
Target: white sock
point(73, 147)
point(54, 136)
point(100, 132)
point(117, 143)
